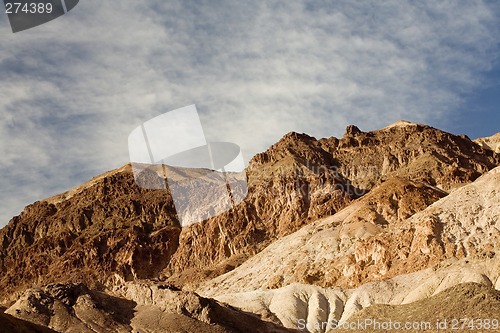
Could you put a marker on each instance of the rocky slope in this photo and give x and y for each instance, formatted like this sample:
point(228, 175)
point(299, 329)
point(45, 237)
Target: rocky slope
point(324, 252)
point(454, 240)
point(307, 219)
point(475, 308)
point(301, 303)
point(75, 308)
point(491, 142)
point(379, 236)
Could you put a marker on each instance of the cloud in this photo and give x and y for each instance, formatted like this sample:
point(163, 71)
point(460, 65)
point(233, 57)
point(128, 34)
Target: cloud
point(72, 90)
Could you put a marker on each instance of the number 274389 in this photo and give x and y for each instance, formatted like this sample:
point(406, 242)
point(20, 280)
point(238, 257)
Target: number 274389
point(28, 8)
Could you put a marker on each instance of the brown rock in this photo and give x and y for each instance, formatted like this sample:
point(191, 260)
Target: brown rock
point(110, 227)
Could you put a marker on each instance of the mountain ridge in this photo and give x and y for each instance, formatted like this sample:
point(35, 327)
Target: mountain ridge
point(110, 226)
point(363, 207)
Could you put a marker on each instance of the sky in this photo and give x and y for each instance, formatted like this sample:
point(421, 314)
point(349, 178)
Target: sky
point(73, 89)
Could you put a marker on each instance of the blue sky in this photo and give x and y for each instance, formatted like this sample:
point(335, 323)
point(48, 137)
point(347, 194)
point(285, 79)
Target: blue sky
point(73, 89)
point(479, 114)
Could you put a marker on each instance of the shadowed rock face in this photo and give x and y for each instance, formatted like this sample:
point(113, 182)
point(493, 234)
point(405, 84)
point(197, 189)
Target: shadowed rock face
point(12, 324)
point(106, 225)
point(110, 230)
point(147, 308)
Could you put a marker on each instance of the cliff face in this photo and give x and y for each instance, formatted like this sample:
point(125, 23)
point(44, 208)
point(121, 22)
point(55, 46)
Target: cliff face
point(398, 228)
point(109, 229)
point(106, 225)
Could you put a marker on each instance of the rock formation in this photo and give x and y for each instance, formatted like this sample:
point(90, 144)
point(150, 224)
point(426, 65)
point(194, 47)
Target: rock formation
point(324, 220)
point(75, 308)
point(453, 241)
point(491, 142)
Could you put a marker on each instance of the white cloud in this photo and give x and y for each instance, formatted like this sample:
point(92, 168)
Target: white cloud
point(72, 90)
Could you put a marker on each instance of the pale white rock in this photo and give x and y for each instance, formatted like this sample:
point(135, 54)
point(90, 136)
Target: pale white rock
point(400, 123)
point(491, 142)
point(299, 303)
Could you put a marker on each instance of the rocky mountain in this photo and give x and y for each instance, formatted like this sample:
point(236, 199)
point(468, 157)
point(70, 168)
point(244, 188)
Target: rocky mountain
point(454, 240)
point(491, 142)
point(326, 252)
point(418, 152)
point(110, 227)
point(309, 179)
point(334, 214)
point(106, 225)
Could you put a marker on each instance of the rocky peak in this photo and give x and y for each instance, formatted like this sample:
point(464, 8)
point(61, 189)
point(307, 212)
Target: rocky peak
point(294, 137)
point(400, 123)
point(352, 130)
point(293, 147)
point(415, 151)
point(491, 142)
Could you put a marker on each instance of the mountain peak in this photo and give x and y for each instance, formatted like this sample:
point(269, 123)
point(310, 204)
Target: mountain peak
point(490, 142)
point(297, 136)
point(352, 130)
point(292, 146)
point(401, 123)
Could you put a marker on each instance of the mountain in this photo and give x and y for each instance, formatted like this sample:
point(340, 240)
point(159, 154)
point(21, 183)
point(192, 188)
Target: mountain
point(324, 252)
point(454, 240)
point(491, 142)
point(106, 226)
point(329, 215)
point(300, 179)
point(418, 152)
